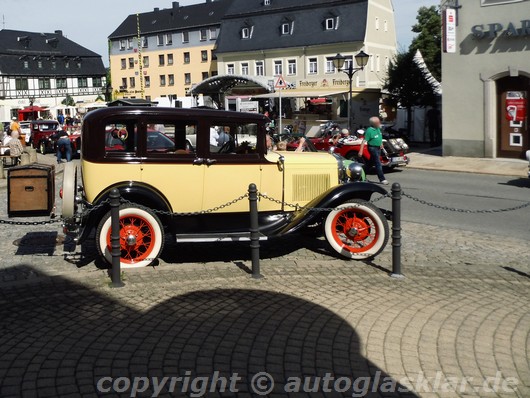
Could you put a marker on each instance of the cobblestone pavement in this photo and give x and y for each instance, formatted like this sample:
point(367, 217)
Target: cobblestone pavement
point(457, 325)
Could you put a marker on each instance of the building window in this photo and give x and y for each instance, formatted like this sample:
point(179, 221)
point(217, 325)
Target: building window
point(161, 61)
point(162, 80)
point(123, 43)
point(230, 69)
point(26, 64)
point(44, 83)
point(160, 40)
point(215, 73)
point(54, 65)
point(147, 81)
point(376, 23)
point(144, 41)
point(244, 68)
point(204, 34)
point(78, 64)
point(185, 37)
point(330, 67)
point(169, 39)
point(123, 83)
point(214, 57)
point(170, 59)
point(21, 83)
point(97, 82)
point(213, 33)
point(385, 25)
point(204, 75)
point(132, 82)
point(260, 70)
point(82, 82)
point(278, 67)
point(171, 80)
point(246, 33)
point(67, 64)
point(39, 64)
point(286, 29)
point(187, 78)
point(204, 55)
point(348, 63)
point(61, 82)
point(330, 23)
point(145, 61)
point(266, 2)
point(377, 63)
point(291, 67)
point(123, 63)
point(313, 66)
point(131, 63)
point(187, 58)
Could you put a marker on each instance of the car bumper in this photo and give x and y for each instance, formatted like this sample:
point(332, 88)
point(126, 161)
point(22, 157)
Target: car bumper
point(397, 161)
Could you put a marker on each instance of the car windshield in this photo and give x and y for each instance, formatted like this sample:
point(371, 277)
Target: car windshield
point(47, 126)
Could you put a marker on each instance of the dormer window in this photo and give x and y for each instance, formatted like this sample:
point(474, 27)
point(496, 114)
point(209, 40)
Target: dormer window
point(330, 23)
point(266, 2)
point(246, 33)
point(286, 28)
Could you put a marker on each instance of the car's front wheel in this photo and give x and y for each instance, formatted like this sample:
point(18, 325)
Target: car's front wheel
point(141, 237)
point(42, 147)
point(356, 230)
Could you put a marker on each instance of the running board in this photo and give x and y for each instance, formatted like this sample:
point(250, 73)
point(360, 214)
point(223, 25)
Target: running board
point(225, 237)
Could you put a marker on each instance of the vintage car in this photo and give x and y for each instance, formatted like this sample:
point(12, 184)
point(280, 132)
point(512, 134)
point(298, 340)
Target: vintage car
point(198, 195)
point(41, 135)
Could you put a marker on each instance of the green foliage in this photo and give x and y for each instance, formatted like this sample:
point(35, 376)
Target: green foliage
point(407, 83)
point(429, 39)
point(68, 101)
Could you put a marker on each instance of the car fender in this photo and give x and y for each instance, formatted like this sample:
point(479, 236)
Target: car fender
point(330, 199)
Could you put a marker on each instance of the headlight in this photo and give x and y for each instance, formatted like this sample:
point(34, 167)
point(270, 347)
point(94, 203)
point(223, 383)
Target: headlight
point(355, 172)
point(403, 144)
point(340, 164)
point(394, 144)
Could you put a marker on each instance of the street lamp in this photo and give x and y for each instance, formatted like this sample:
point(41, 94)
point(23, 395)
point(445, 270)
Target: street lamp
point(338, 62)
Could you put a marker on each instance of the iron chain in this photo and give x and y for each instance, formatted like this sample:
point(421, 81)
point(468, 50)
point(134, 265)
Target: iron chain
point(456, 210)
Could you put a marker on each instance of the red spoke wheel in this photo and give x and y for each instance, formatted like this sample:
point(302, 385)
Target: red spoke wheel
point(141, 237)
point(356, 230)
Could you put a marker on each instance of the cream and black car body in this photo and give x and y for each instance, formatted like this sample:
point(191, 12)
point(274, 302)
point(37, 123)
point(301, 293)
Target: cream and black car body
point(169, 188)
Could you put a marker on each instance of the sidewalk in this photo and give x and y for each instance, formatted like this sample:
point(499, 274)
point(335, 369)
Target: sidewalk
point(432, 159)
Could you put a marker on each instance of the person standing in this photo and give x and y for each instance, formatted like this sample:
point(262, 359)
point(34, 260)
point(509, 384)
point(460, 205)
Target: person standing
point(373, 138)
point(15, 126)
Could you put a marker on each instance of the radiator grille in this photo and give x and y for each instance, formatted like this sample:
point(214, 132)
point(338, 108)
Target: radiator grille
point(307, 186)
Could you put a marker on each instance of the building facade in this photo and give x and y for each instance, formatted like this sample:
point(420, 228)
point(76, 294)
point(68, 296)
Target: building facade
point(43, 69)
point(163, 52)
point(298, 39)
point(486, 78)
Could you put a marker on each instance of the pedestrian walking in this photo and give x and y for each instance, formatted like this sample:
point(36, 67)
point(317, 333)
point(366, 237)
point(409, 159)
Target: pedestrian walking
point(373, 138)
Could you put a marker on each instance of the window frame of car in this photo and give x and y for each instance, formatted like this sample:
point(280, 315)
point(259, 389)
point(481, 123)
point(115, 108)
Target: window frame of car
point(95, 125)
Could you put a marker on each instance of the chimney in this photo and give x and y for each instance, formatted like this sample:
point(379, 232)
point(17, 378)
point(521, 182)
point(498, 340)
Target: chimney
point(59, 32)
point(157, 9)
point(176, 5)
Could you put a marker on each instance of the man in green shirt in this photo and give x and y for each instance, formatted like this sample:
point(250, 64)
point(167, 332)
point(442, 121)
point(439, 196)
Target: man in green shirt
point(373, 138)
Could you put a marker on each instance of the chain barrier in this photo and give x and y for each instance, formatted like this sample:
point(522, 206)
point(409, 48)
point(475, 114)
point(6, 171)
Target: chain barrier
point(457, 210)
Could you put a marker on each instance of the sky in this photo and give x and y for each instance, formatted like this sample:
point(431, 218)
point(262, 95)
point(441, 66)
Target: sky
point(90, 22)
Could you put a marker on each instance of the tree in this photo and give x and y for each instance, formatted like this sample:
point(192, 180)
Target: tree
point(407, 83)
point(68, 101)
point(429, 39)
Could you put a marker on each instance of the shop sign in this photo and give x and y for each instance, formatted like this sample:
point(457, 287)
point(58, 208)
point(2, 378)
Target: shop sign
point(495, 29)
point(450, 30)
point(324, 83)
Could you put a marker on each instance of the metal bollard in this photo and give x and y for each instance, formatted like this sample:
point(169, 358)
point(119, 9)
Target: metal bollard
point(396, 231)
point(254, 230)
point(115, 238)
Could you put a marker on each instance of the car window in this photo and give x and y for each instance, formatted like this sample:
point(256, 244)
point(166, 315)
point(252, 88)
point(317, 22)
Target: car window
point(230, 139)
point(120, 137)
point(170, 138)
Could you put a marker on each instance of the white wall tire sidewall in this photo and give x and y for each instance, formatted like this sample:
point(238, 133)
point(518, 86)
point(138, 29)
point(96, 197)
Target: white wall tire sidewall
point(69, 190)
point(158, 232)
point(379, 224)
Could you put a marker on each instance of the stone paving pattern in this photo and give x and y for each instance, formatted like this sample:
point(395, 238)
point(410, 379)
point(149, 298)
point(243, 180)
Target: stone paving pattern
point(461, 312)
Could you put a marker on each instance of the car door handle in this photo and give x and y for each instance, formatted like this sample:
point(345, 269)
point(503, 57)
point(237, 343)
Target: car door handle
point(198, 162)
point(209, 162)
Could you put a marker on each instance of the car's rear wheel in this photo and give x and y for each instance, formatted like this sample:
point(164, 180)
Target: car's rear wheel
point(141, 237)
point(356, 230)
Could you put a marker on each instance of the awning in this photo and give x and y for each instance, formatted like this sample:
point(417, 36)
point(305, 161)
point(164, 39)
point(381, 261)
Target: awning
point(31, 109)
point(301, 94)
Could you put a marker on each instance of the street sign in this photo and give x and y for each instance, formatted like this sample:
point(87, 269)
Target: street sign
point(280, 82)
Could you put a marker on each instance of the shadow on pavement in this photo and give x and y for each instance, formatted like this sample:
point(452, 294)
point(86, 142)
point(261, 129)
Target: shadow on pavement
point(63, 339)
point(518, 182)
